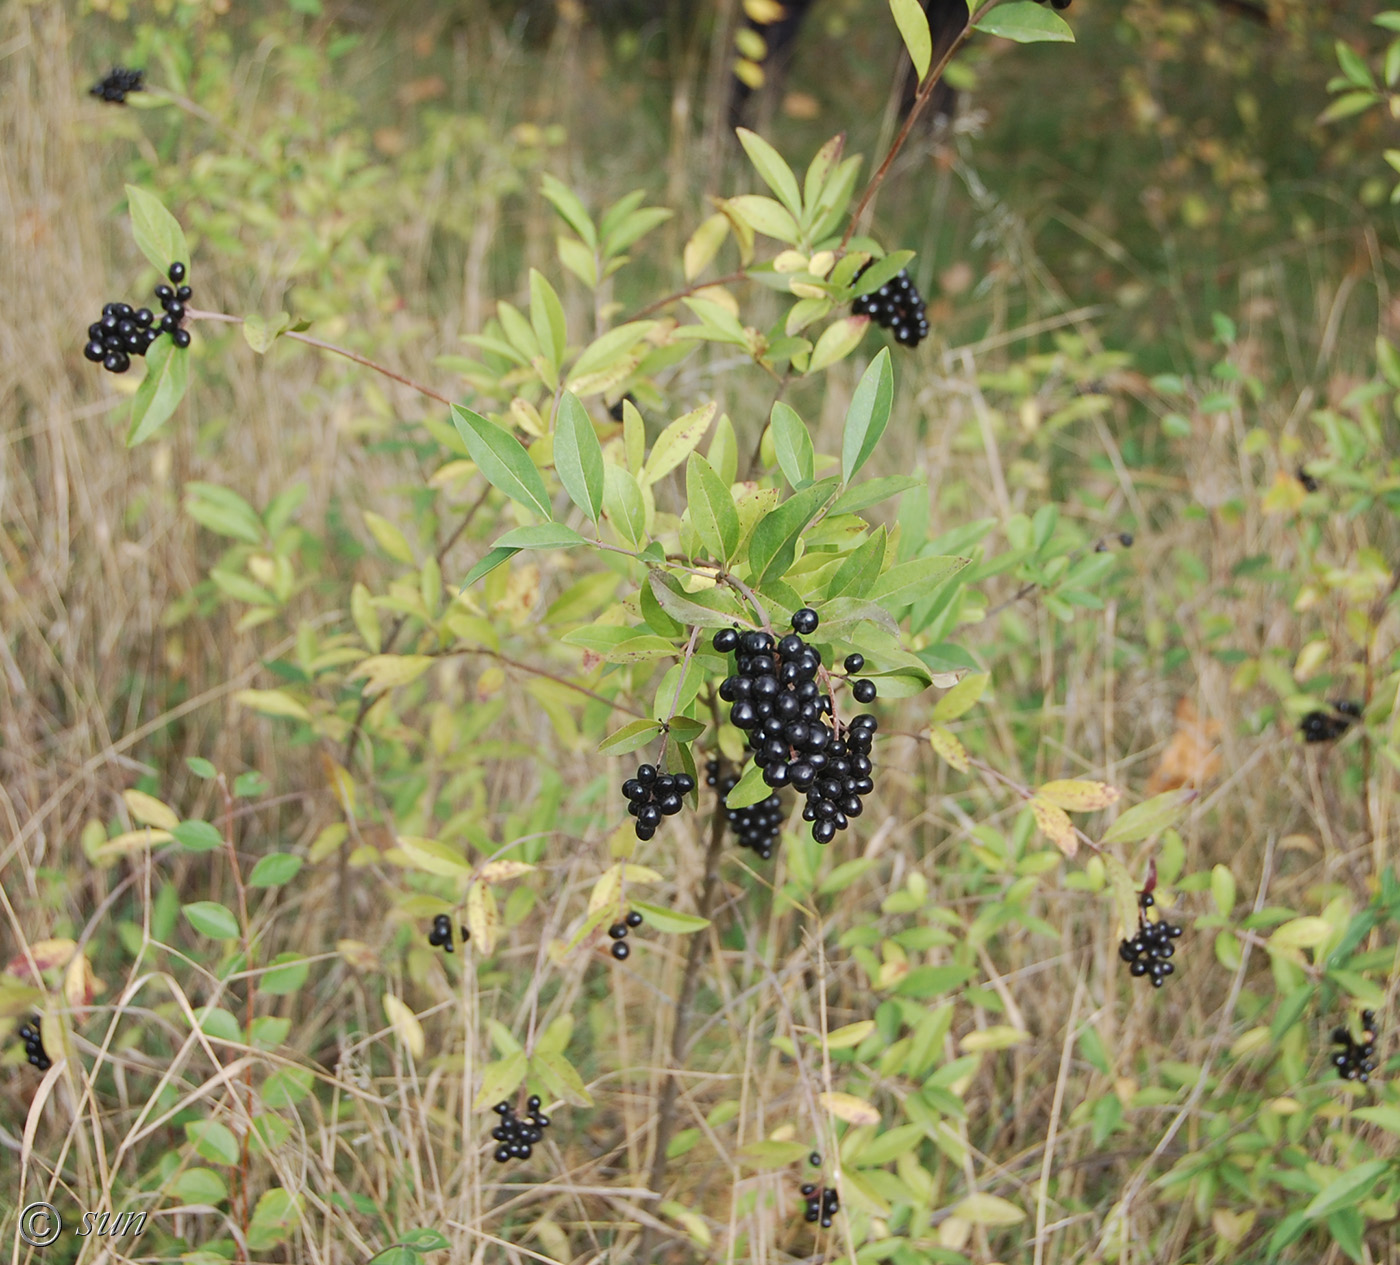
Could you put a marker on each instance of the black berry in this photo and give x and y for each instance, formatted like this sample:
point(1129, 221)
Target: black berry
point(620, 950)
point(815, 1159)
point(1149, 952)
point(898, 307)
point(176, 273)
point(854, 663)
point(1355, 1060)
point(618, 930)
point(805, 621)
point(633, 919)
point(181, 337)
point(116, 83)
point(1320, 726)
point(440, 937)
point(652, 795)
point(32, 1036)
point(1310, 484)
point(864, 691)
point(517, 1137)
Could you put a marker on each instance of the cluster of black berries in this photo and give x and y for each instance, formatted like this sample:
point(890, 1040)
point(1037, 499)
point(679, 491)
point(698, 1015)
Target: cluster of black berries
point(652, 795)
point(116, 83)
point(777, 701)
point(1309, 481)
point(756, 826)
point(1149, 952)
point(440, 937)
point(896, 306)
point(618, 933)
point(1329, 726)
point(34, 1046)
point(124, 331)
point(1355, 1062)
point(823, 1203)
point(1125, 538)
point(517, 1136)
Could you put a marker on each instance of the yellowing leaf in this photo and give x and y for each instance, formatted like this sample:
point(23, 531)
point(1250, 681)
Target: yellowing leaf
point(704, 245)
point(405, 1024)
point(1078, 796)
point(483, 918)
point(433, 857)
point(962, 697)
point(849, 1036)
point(149, 811)
point(1301, 933)
point(80, 985)
point(948, 747)
point(849, 1108)
point(272, 703)
point(1000, 1036)
point(500, 871)
point(341, 783)
point(131, 841)
point(388, 537)
point(632, 873)
point(388, 671)
point(678, 441)
point(983, 1209)
point(358, 954)
point(1055, 823)
point(501, 1078)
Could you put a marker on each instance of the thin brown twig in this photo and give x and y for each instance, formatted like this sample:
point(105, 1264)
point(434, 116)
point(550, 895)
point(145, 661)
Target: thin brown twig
point(694, 288)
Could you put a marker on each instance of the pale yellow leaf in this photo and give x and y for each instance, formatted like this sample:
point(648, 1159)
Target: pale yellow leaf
point(388, 671)
point(849, 1108)
point(483, 919)
point(500, 871)
point(1076, 796)
point(849, 1036)
point(1055, 823)
point(433, 857)
point(1000, 1036)
point(272, 703)
point(1301, 933)
point(947, 746)
point(983, 1209)
point(405, 1024)
point(149, 811)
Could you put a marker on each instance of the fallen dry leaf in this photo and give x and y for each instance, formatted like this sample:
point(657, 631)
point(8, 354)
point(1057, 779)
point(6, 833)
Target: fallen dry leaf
point(1192, 757)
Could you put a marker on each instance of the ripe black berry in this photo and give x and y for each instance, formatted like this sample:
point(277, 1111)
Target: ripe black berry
point(620, 950)
point(618, 930)
point(1320, 726)
point(822, 1204)
point(176, 273)
point(1310, 484)
point(181, 337)
point(896, 306)
point(633, 919)
point(815, 1159)
point(854, 663)
point(725, 640)
point(757, 826)
point(116, 83)
point(652, 795)
point(517, 1137)
point(440, 937)
point(805, 621)
point(864, 691)
point(33, 1039)
point(1150, 950)
point(1355, 1060)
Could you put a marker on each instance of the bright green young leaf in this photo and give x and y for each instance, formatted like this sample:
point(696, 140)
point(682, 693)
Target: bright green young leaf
point(868, 415)
point(769, 164)
point(773, 545)
point(912, 21)
point(909, 581)
point(624, 505)
point(487, 564)
point(765, 216)
point(161, 390)
point(426, 1240)
point(793, 445)
point(570, 209)
point(547, 317)
point(389, 537)
point(211, 919)
point(275, 869)
point(223, 511)
point(198, 836)
point(560, 1075)
point(882, 270)
point(856, 575)
point(873, 491)
point(821, 168)
point(212, 1141)
point(671, 921)
point(1025, 22)
point(540, 536)
point(712, 510)
point(632, 736)
point(158, 233)
point(502, 461)
point(1347, 1190)
point(749, 789)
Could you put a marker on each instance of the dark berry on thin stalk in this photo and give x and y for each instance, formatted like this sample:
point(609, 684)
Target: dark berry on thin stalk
point(633, 919)
point(181, 338)
point(620, 950)
point(176, 273)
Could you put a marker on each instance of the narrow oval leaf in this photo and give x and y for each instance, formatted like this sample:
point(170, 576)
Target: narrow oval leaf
point(501, 1078)
point(540, 536)
point(1078, 796)
point(678, 441)
point(769, 164)
point(792, 443)
point(149, 811)
point(868, 415)
point(161, 390)
point(909, 16)
point(850, 1036)
point(704, 245)
point(1301, 933)
point(433, 857)
point(961, 698)
point(211, 919)
point(772, 1154)
point(749, 789)
point(837, 341)
point(275, 869)
point(1152, 816)
point(773, 545)
point(158, 233)
point(712, 510)
point(578, 456)
point(849, 1108)
point(405, 1024)
point(1055, 822)
point(983, 1209)
point(483, 918)
point(765, 216)
point(1025, 22)
point(671, 921)
point(632, 736)
point(504, 464)
point(949, 748)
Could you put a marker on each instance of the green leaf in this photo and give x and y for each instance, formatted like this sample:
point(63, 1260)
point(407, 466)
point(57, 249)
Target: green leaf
point(260, 332)
point(426, 1240)
point(197, 836)
point(275, 869)
point(223, 511)
point(158, 233)
point(860, 569)
point(389, 537)
point(540, 536)
point(749, 789)
point(567, 203)
point(633, 735)
point(902, 585)
point(1026, 23)
point(395, 1256)
point(161, 390)
point(678, 441)
point(912, 21)
point(212, 1141)
point(1141, 821)
point(578, 456)
point(773, 545)
point(201, 767)
point(486, 565)
point(1347, 1190)
point(771, 1154)
point(556, 1071)
point(212, 919)
point(837, 341)
point(868, 415)
point(769, 164)
point(505, 465)
point(712, 510)
point(1347, 104)
point(765, 216)
point(200, 1186)
point(710, 608)
point(882, 270)
point(287, 973)
point(671, 921)
point(793, 445)
point(873, 491)
point(961, 698)
point(624, 504)
point(501, 1078)
point(547, 317)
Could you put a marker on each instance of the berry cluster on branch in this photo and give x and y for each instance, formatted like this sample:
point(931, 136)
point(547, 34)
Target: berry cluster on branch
point(618, 934)
point(778, 702)
point(1355, 1061)
point(652, 795)
point(823, 1203)
point(1320, 726)
point(896, 306)
point(124, 331)
point(440, 937)
point(517, 1136)
point(116, 83)
point(1149, 952)
point(757, 826)
point(33, 1040)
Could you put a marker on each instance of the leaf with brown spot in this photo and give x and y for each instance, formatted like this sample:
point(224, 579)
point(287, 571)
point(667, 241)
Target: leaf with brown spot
point(1055, 822)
